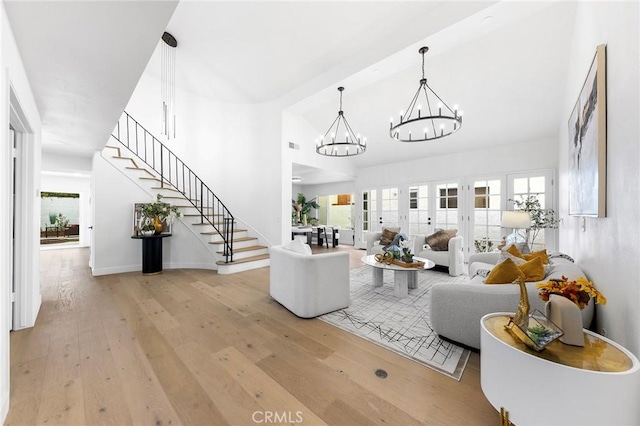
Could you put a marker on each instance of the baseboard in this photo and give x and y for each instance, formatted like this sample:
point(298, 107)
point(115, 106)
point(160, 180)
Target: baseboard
point(137, 268)
point(115, 270)
point(4, 406)
point(188, 265)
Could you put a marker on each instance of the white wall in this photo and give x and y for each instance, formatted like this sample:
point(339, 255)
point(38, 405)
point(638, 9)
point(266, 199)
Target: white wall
point(608, 250)
point(235, 149)
point(14, 76)
point(534, 155)
point(52, 182)
point(54, 162)
point(113, 250)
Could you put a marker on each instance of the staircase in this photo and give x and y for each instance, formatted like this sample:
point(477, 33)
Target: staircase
point(153, 167)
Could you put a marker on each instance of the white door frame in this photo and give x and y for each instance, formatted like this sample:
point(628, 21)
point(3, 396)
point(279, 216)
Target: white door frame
point(26, 299)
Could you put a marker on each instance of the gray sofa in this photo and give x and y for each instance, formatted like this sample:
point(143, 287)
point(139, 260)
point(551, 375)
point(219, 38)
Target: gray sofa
point(456, 309)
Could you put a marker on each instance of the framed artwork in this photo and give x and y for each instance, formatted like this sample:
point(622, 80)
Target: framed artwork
point(588, 143)
point(139, 220)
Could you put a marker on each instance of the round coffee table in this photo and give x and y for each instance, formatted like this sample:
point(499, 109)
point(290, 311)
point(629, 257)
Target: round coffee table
point(403, 278)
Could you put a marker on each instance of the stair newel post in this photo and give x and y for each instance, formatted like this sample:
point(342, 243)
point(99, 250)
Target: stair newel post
point(227, 231)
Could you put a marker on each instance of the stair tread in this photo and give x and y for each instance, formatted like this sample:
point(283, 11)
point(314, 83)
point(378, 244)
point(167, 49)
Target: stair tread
point(166, 188)
point(245, 260)
point(149, 178)
point(243, 249)
point(217, 233)
point(237, 240)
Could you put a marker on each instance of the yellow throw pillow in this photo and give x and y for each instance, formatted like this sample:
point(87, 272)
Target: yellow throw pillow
point(542, 254)
point(513, 250)
point(504, 272)
point(533, 269)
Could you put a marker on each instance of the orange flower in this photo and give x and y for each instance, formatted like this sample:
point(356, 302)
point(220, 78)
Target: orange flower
point(579, 291)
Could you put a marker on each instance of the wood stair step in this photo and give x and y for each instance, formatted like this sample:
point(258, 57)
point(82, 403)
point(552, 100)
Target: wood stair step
point(150, 178)
point(166, 188)
point(139, 168)
point(217, 233)
point(245, 260)
point(237, 240)
point(243, 249)
point(171, 197)
point(120, 157)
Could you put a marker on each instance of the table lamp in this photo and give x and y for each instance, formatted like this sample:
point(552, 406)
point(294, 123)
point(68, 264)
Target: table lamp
point(516, 220)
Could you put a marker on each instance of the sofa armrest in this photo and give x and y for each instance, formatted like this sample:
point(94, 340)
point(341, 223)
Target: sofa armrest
point(418, 243)
point(456, 256)
point(456, 309)
point(491, 258)
point(373, 239)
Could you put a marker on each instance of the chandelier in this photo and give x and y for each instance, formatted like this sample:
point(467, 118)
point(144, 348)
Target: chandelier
point(417, 125)
point(352, 144)
point(168, 85)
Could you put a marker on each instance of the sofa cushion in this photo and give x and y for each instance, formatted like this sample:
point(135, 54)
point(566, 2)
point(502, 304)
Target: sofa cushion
point(533, 269)
point(542, 254)
point(514, 251)
point(388, 234)
point(439, 240)
point(298, 246)
point(504, 272)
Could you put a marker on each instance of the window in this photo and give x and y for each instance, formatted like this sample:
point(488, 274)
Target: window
point(486, 215)
point(419, 220)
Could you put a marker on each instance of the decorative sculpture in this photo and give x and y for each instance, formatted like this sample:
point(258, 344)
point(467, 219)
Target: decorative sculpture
point(521, 318)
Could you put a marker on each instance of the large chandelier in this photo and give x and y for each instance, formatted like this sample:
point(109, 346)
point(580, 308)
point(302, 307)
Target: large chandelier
point(352, 144)
point(168, 85)
point(417, 125)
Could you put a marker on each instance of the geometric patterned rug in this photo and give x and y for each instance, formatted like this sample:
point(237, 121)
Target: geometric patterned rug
point(400, 325)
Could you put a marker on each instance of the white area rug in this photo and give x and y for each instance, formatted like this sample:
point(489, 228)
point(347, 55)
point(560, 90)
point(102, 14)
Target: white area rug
point(400, 325)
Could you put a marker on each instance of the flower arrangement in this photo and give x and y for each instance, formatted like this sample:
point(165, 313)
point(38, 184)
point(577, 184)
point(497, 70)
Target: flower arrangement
point(579, 291)
point(160, 209)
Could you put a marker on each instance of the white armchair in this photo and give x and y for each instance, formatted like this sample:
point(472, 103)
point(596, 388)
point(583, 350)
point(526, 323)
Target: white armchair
point(373, 243)
point(452, 258)
point(309, 285)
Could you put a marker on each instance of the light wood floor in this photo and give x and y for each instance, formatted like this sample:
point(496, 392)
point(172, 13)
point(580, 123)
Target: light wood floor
point(194, 347)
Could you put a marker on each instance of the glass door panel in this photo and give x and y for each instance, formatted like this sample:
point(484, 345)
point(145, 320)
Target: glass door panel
point(369, 210)
point(389, 216)
point(486, 232)
point(538, 185)
point(419, 214)
point(446, 206)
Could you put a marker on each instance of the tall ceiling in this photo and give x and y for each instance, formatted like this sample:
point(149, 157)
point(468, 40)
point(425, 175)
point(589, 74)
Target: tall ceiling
point(506, 67)
point(502, 62)
point(83, 60)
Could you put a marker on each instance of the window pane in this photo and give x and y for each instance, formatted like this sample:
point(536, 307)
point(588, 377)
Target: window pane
point(536, 184)
point(520, 186)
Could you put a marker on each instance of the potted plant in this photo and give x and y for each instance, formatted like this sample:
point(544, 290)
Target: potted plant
point(157, 213)
point(540, 218)
point(302, 207)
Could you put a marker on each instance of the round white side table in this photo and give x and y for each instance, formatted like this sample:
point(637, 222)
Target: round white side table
point(598, 384)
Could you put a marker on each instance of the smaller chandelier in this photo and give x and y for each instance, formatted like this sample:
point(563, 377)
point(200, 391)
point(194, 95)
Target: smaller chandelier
point(417, 125)
point(352, 144)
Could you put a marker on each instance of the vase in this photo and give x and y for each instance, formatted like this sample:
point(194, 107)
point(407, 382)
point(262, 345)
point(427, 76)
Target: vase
point(304, 219)
point(568, 316)
point(158, 224)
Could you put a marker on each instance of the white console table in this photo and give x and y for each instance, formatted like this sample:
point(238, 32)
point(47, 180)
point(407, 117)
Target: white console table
point(598, 384)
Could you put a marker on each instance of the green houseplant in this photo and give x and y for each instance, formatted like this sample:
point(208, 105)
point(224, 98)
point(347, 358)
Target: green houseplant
point(156, 214)
point(302, 207)
point(540, 218)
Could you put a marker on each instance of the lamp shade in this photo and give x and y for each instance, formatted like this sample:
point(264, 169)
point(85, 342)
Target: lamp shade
point(516, 220)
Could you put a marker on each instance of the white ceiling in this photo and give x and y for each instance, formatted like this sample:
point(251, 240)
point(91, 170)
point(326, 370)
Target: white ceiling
point(507, 73)
point(83, 60)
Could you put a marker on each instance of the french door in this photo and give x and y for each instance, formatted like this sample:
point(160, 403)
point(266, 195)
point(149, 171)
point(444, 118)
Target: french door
point(538, 185)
